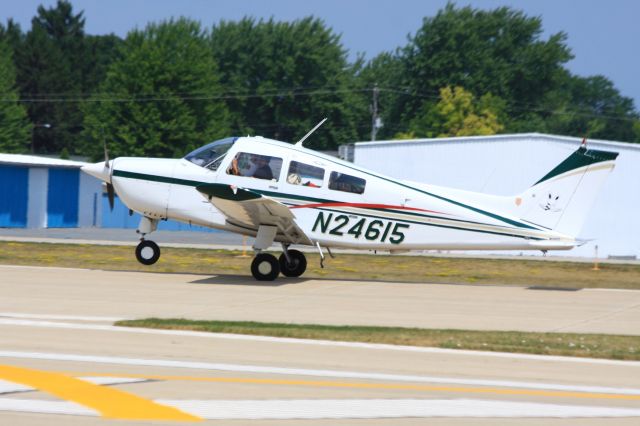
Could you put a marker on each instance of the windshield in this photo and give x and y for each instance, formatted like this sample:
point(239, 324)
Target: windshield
point(210, 156)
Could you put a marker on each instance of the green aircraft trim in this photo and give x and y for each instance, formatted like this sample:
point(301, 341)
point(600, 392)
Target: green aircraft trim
point(581, 158)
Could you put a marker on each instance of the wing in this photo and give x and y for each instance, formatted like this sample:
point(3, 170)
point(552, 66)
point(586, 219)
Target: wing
point(248, 209)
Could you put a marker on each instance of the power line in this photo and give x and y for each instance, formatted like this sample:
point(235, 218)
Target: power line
point(301, 91)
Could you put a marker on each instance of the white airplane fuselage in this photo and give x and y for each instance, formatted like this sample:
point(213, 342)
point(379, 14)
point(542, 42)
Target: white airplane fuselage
point(388, 215)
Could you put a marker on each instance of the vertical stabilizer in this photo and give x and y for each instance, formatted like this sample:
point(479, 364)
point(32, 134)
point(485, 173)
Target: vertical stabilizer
point(561, 200)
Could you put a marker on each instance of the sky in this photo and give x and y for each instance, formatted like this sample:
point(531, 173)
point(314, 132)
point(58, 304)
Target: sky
point(603, 35)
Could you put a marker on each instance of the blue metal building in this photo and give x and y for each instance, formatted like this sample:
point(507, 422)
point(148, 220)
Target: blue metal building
point(40, 192)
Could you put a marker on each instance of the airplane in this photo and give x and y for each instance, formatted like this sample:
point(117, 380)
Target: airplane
point(288, 194)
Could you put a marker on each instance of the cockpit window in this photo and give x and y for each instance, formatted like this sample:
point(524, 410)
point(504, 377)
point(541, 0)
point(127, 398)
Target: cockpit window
point(210, 156)
point(256, 166)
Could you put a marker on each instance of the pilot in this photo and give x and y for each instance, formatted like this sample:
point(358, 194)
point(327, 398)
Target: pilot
point(263, 171)
point(257, 167)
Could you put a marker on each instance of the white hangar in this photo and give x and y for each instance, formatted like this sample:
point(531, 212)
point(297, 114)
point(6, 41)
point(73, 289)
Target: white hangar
point(509, 164)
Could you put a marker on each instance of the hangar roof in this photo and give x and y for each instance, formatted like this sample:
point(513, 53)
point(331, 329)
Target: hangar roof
point(37, 161)
point(507, 138)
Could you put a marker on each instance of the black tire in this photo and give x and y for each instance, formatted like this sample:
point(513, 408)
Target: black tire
point(265, 267)
point(297, 266)
point(147, 252)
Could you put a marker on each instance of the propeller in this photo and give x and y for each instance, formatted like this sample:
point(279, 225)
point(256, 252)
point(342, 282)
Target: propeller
point(111, 193)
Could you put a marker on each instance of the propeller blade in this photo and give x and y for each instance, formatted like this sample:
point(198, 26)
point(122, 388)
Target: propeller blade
point(106, 152)
point(107, 165)
point(111, 195)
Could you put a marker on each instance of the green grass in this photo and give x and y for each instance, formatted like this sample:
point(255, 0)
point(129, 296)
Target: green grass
point(424, 269)
point(565, 344)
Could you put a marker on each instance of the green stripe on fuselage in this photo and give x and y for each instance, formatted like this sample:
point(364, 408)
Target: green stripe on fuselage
point(156, 178)
point(186, 182)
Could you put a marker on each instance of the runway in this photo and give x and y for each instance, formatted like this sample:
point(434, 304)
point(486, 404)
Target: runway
point(62, 361)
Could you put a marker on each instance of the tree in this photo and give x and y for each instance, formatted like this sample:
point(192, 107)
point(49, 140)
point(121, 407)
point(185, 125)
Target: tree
point(11, 33)
point(281, 78)
point(498, 51)
point(458, 114)
point(636, 131)
point(100, 51)
point(594, 108)
point(49, 63)
point(15, 129)
point(386, 72)
point(161, 98)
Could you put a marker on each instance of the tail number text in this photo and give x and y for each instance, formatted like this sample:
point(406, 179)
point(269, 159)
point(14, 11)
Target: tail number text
point(370, 229)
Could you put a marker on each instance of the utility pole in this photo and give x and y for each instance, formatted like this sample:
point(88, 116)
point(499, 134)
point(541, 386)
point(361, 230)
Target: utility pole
point(374, 113)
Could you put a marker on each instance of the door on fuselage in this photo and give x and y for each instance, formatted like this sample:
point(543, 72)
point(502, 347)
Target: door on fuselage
point(256, 171)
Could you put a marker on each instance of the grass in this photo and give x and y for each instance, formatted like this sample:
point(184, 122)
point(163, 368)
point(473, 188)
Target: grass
point(565, 344)
point(422, 269)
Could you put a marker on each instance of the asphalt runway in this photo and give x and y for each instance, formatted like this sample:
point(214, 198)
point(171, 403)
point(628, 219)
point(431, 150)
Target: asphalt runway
point(62, 362)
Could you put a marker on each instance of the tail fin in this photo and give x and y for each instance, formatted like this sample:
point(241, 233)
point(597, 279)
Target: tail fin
point(561, 200)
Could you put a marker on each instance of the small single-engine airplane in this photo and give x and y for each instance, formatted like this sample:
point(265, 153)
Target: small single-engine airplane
point(280, 192)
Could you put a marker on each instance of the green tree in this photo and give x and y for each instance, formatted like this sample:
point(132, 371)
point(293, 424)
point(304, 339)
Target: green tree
point(498, 51)
point(385, 71)
point(11, 33)
point(459, 114)
point(50, 63)
point(594, 108)
point(161, 98)
point(100, 51)
point(281, 78)
point(15, 129)
point(636, 131)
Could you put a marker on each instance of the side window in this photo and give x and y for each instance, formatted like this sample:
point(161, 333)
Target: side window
point(256, 166)
point(346, 183)
point(305, 175)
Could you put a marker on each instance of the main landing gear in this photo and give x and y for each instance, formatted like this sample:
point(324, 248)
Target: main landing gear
point(147, 252)
point(265, 266)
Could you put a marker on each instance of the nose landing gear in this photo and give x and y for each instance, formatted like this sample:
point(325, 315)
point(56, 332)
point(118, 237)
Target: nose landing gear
point(147, 252)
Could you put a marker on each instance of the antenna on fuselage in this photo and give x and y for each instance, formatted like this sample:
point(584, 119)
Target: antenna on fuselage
point(299, 143)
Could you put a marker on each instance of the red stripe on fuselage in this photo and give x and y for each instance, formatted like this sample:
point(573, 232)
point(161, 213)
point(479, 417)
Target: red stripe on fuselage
point(364, 206)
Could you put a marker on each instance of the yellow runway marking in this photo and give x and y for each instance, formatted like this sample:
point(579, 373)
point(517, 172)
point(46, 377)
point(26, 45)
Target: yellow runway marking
point(381, 386)
point(109, 402)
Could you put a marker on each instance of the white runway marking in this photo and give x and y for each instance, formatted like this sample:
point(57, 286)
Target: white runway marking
point(315, 373)
point(45, 407)
point(60, 317)
point(10, 387)
point(344, 409)
point(369, 346)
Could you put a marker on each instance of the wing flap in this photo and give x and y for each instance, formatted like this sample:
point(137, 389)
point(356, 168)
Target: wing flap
point(251, 209)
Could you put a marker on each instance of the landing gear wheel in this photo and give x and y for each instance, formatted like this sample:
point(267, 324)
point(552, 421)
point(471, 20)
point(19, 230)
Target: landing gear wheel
point(147, 252)
point(265, 267)
point(297, 266)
